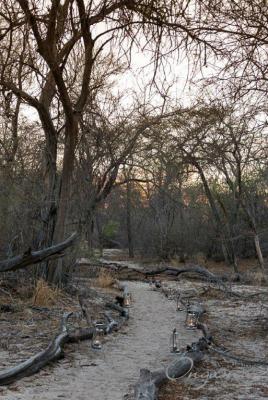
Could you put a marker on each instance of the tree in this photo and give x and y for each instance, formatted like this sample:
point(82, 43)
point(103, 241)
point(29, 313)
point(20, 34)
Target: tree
point(63, 42)
point(239, 154)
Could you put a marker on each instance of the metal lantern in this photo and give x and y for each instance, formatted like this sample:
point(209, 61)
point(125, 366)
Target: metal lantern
point(191, 319)
point(179, 307)
point(174, 341)
point(158, 284)
point(127, 300)
point(97, 335)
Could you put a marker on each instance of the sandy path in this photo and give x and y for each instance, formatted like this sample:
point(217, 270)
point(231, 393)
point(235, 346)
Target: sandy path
point(106, 375)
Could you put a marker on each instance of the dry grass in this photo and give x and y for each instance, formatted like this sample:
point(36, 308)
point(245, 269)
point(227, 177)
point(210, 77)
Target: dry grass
point(200, 259)
point(175, 262)
point(255, 278)
point(105, 279)
point(44, 295)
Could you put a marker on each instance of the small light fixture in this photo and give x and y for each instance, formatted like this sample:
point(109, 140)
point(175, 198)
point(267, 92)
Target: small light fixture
point(158, 284)
point(127, 300)
point(179, 307)
point(191, 319)
point(174, 341)
point(99, 329)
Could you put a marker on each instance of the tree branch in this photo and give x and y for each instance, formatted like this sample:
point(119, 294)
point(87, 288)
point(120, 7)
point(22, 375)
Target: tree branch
point(29, 257)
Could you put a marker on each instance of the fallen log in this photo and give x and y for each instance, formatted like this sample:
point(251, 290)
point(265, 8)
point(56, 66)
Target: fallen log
point(148, 385)
point(112, 325)
point(38, 361)
point(33, 257)
point(54, 350)
point(122, 310)
point(188, 269)
point(149, 382)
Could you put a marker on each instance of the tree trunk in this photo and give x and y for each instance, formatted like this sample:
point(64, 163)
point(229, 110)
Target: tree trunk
point(100, 236)
point(49, 210)
point(252, 225)
point(50, 201)
point(55, 273)
point(227, 251)
point(32, 257)
point(129, 222)
point(89, 230)
point(259, 252)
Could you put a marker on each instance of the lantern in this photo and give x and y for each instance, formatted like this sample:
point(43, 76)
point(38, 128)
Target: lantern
point(191, 319)
point(127, 300)
point(97, 335)
point(158, 284)
point(179, 307)
point(174, 341)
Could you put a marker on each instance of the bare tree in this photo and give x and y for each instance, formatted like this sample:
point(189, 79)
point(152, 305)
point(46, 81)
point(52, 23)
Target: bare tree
point(64, 41)
point(239, 153)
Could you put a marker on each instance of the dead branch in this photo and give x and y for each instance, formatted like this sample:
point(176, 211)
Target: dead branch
point(38, 361)
point(188, 269)
point(55, 349)
point(29, 257)
point(122, 310)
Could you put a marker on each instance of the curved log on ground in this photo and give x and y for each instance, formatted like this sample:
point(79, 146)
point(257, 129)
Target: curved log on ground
point(33, 257)
point(38, 361)
point(55, 348)
point(148, 385)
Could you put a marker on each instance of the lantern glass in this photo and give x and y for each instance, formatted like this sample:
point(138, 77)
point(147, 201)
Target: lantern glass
point(179, 307)
point(191, 320)
point(174, 341)
point(127, 300)
point(97, 335)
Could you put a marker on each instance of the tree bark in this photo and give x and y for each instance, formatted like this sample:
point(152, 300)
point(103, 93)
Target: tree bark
point(29, 257)
point(129, 221)
point(227, 251)
point(53, 352)
point(259, 252)
point(56, 269)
